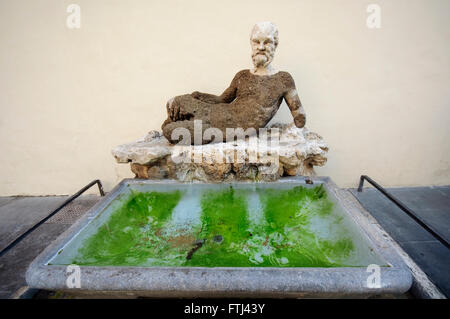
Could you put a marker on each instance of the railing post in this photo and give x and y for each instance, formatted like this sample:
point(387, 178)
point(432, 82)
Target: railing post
point(361, 183)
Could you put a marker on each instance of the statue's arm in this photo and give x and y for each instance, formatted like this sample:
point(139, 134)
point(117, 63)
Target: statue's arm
point(226, 97)
point(294, 104)
point(205, 97)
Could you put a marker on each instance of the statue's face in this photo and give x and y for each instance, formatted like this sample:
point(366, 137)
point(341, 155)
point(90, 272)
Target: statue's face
point(264, 41)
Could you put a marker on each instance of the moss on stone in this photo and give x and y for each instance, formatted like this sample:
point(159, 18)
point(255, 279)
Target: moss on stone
point(138, 233)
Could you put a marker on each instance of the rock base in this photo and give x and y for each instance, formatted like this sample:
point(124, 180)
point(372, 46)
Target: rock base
point(288, 151)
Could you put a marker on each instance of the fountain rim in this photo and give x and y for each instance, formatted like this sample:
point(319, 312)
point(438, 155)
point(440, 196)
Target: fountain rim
point(233, 281)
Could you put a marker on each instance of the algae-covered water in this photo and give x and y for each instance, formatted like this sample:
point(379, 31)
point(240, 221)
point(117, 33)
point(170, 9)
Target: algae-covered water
point(231, 226)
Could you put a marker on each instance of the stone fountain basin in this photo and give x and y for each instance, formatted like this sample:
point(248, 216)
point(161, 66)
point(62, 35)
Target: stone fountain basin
point(325, 276)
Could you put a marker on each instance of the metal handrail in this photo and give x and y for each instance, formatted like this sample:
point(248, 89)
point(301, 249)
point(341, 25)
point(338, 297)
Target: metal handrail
point(67, 201)
point(404, 208)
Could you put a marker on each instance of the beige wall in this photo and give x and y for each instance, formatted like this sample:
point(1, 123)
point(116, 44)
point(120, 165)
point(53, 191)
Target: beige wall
point(380, 97)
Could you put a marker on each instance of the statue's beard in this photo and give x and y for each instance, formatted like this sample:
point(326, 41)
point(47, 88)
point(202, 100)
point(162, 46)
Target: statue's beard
point(261, 59)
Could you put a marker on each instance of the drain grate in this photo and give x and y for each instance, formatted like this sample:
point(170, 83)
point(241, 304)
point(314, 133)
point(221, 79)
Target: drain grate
point(74, 210)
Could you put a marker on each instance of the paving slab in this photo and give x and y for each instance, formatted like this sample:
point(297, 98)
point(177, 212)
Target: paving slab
point(17, 215)
point(432, 204)
point(21, 213)
point(434, 261)
point(444, 190)
point(14, 264)
point(392, 218)
point(7, 200)
point(29, 209)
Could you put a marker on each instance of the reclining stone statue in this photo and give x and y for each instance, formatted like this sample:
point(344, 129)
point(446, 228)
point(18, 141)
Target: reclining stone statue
point(250, 102)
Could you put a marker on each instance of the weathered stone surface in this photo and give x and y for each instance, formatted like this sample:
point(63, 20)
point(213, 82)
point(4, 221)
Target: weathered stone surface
point(292, 151)
point(203, 124)
point(150, 148)
point(250, 102)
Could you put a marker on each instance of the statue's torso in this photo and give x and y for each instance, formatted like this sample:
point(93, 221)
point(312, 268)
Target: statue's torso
point(258, 98)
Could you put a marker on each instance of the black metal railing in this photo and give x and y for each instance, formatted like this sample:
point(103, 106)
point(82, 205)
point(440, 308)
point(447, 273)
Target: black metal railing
point(67, 201)
point(404, 208)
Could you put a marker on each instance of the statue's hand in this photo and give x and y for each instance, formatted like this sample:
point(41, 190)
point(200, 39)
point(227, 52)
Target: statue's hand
point(173, 109)
point(300, 120)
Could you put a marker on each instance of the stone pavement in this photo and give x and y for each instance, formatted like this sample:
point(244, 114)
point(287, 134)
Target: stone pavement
point(17, 215)
point(432, 204)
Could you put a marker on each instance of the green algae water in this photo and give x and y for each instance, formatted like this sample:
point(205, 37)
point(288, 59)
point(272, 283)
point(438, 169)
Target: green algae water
point(221, 226)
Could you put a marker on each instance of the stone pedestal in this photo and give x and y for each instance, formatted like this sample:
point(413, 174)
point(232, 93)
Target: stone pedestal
point(288, 150)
